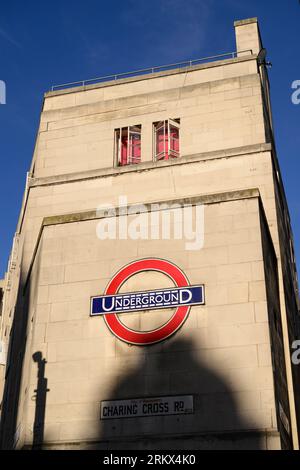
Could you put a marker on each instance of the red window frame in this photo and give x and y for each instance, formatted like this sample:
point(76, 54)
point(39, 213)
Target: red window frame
point(128, 145)
point(166, 139)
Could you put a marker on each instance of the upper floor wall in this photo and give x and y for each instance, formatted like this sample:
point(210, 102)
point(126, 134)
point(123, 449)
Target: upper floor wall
point(218, 106)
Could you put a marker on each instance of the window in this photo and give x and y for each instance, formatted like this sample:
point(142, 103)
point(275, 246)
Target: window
point(166, 139)
point(128, 145)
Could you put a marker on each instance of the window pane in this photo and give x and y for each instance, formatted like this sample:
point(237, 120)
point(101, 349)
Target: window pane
point(161, 136)
point(124, 148)
point(135, 147)
point(174, 141)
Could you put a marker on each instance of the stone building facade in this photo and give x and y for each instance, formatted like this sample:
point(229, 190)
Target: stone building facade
point(189, 138)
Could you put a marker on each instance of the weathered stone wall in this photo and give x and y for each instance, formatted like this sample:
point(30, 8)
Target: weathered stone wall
point(221, 354)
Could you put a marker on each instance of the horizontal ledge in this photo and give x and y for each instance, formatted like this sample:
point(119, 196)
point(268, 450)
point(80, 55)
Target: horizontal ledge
point(206, 199)
point(202, 436)
point(111, 171)
point(246, 21)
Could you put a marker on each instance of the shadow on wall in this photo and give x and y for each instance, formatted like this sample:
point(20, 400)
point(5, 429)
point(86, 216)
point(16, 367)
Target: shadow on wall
point(17, 365)
point(10, 429)
point(171, 368)
point(40, 401)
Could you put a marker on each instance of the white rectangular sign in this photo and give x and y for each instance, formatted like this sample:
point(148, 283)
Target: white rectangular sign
point(142, 407)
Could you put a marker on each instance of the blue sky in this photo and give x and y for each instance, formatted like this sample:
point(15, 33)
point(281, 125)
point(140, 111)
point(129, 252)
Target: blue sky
point(46, 43)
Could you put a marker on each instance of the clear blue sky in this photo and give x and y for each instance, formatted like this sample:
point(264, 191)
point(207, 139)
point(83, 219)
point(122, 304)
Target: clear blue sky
point(45, 43)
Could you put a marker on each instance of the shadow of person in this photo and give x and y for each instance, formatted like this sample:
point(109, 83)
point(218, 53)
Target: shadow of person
point(176, 368)
point(40, 399)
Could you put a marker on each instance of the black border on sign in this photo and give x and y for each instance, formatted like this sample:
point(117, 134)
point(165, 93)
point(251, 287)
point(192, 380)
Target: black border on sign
point(145, 398)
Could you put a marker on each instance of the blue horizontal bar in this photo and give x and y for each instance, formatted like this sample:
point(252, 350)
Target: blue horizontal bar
point(147, 300)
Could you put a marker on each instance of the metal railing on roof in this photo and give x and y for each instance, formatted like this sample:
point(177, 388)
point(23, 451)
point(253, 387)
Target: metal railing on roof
point(159, 68)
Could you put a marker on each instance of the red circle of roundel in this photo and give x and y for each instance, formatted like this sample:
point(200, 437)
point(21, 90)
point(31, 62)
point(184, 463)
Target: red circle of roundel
point(148, 337)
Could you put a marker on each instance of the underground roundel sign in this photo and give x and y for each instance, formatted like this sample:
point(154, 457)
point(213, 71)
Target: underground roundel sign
point(180, 297)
